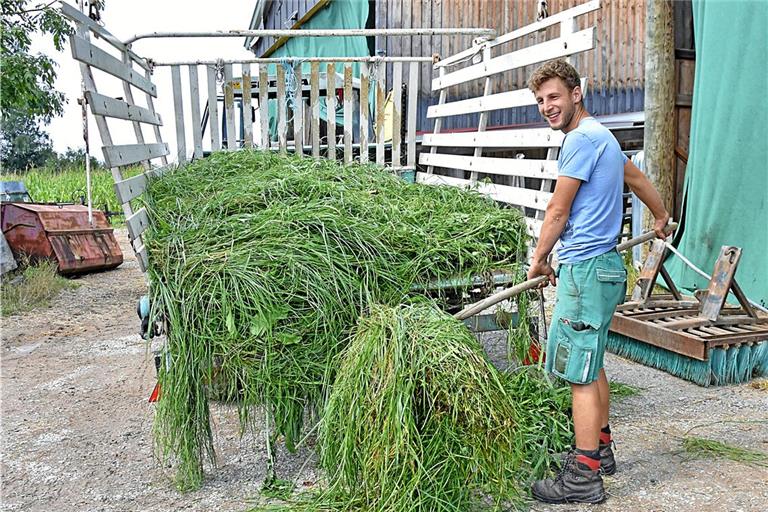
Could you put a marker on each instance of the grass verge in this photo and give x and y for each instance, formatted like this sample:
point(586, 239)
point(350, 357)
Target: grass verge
point(31, 288)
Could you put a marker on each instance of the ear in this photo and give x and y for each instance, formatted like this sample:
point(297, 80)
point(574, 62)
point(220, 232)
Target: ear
point(577, 95)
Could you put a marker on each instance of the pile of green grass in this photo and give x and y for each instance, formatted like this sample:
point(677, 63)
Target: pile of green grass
point(419, 419)
point(261, 265)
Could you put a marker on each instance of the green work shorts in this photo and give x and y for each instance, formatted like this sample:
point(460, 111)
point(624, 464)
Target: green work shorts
point(587, 295)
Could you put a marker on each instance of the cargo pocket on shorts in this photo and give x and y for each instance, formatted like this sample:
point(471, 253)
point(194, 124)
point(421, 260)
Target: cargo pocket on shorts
point(575, 351)
point(613, 283)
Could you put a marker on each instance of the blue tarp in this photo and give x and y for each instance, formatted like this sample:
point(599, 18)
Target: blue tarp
point(340, 14)
point(726, 181)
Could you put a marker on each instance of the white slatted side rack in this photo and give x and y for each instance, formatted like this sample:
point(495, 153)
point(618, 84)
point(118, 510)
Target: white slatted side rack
point(117, 156)
point(526, 183)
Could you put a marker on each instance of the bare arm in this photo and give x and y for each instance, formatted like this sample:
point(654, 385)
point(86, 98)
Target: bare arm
point(647, 193)
point(555, 218)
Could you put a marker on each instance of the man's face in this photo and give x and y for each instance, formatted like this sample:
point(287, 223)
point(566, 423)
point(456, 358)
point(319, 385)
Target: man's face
point(557, 104)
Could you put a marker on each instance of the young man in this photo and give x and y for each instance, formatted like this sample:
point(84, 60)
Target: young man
point(585, 214)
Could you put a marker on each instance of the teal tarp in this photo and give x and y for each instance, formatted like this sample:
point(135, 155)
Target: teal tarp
point(726, 181)
point(339, 14)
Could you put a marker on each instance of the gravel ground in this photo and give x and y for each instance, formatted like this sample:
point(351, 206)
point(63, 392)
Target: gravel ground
point(76, 424)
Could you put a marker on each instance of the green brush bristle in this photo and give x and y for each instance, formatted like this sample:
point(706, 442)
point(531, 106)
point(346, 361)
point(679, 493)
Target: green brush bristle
point(759, 359)
point(732, 365)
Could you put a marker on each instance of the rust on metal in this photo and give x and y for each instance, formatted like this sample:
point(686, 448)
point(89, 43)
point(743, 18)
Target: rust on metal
point(61, 233)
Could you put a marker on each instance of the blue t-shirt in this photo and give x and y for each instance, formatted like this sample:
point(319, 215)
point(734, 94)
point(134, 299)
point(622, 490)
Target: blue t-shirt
point(592, 154)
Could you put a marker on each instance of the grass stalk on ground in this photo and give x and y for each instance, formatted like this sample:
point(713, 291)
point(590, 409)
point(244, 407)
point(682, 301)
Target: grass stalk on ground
point(700, 447)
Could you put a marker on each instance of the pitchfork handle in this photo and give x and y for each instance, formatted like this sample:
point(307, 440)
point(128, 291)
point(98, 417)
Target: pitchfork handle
point(516, 290)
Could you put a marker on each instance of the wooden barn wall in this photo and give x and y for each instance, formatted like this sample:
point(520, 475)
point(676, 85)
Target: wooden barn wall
point(615, 69)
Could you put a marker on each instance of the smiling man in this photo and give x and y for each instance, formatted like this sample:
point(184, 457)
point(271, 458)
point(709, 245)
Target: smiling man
point(585, 214)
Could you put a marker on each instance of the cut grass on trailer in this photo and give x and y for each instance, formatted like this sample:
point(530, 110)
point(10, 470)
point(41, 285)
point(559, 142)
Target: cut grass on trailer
point(261, 264)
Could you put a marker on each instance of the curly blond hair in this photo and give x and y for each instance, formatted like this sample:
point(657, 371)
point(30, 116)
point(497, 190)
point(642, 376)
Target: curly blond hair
point(554, 69)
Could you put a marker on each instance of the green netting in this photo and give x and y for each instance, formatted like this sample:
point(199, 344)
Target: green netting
point(339, 14)
point(726, 182)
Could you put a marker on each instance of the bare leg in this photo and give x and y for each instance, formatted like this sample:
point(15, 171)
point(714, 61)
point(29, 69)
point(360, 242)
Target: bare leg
point(587, 415)
point(605, 397)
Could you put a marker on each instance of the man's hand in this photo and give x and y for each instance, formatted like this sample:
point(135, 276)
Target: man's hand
point(542, 268)
point(660, 224)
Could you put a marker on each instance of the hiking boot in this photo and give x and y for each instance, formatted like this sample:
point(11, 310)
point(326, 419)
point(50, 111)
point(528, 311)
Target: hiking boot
point(576, 483)
point(607, 460)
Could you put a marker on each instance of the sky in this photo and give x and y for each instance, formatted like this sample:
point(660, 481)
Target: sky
point(125, 18)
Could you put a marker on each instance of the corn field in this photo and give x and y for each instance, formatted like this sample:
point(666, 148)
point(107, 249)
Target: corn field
point(69, 186)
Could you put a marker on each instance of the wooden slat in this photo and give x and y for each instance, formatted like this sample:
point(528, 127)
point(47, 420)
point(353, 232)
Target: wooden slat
point(213, 109)
point(523, 138)
point(314, 102)
point(397, 111)
point(247, 109)
point(128, 94)
point(85, 52)
point(128, 154)
point(483, 121)
point(130, 188)
point(137, 223)
point(142, 258)
point(155, 128)
point(549, 21)
point(197, 128)
point(511, 195)
point(110, 107)
point(133, 187)
point(101, 122)
point(498, 101)
point(229, 107)
point(413, 96)
point(282, 111)
point(364, 117)
point(348, 106)
point(178, 110)
point(77, 16)
point(264, 105)
point(540, 169)
point(298, 113)
point(720, 283)
point(533, 226)
point(502, 100)
point(439, 120)
point(330, 98)
point(573, 43)
point(381, 98)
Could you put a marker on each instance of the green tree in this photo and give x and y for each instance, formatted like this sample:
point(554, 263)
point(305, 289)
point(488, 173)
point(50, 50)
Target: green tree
point(26, 80)
point(23, 144)
point(27, 93)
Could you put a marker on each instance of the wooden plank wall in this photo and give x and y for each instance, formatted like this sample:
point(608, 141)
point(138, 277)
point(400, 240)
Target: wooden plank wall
point(615, 69)
point(685, 63)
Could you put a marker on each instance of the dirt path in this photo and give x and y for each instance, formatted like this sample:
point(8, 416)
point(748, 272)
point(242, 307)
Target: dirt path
point(76, 425)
